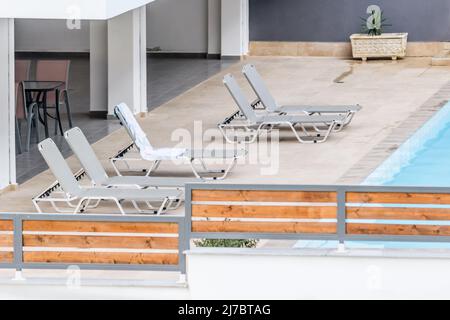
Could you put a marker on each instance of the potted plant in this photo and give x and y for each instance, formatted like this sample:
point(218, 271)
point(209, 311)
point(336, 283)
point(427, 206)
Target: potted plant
point(373, 43)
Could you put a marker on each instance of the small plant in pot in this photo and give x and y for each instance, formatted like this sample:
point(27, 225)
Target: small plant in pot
point(373, 43)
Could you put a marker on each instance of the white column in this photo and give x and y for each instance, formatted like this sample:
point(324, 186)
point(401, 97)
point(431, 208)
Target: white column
point(214, 28)
point(99, 68)
point(235, 28)
point(7, 105)
point(127, 61)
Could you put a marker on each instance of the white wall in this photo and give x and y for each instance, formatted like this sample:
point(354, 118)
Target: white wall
point(50, 35)
point(69, 9)
point(127, 63)
point(235, 27)
point(7, 105)
point(99, 66)
point(179, 26)
point(299, 275)
point(173, 25)
point(214, 26)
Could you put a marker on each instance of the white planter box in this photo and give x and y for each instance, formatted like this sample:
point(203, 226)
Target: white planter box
point(388, 45)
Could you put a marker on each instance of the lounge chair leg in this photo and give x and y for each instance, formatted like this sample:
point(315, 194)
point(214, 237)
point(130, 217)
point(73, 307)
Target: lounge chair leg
point(177, 205)
point(136, 206)
point(163, 206)
point(80, 206)
point(119, 206)
point(36, 205)
point(318, 139)
point(116, 169)
point(249, 137)
point(57, 209)
point(95, 205)
point(348, 120)
point(223, 173)
point(153, 168)
point(150, 206)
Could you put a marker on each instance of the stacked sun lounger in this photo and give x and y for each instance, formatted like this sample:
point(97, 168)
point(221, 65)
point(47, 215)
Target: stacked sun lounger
point(309, 124)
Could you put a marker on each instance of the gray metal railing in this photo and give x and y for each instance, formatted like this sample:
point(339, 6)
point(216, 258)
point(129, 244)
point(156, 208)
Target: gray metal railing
point(19, 264)
point(341, 235)
point(185, 233)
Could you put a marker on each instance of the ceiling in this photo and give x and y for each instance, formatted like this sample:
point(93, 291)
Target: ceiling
point(69, 9)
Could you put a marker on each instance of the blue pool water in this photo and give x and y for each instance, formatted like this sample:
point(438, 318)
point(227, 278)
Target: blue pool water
point(423, 160)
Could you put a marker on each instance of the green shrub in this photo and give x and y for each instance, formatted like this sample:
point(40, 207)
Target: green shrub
point(213, 243)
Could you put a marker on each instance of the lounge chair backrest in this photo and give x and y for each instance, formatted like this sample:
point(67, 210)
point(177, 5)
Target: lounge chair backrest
point(239, 97)
point(59, 167)
point(128, 120)
point(83, 150)
point(260, 88)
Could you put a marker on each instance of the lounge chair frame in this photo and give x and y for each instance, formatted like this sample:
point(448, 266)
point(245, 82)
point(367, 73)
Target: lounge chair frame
point(203, 173)
point(99, 177)
point(79, 204)
point(256, 82)
point(252, 125)
point(197, 164)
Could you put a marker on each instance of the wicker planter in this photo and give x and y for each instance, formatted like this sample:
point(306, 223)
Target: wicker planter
point(388, 45)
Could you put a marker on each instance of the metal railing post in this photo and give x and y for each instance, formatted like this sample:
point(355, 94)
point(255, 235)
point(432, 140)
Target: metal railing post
point(341, 217)
point(18, 247)
point(184, 231)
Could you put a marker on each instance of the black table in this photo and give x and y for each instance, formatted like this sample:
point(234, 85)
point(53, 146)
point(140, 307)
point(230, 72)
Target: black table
point(36, 92)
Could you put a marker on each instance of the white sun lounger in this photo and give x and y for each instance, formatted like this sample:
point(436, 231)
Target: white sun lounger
point(84, 152)
point(253, 123)
point(79, 198)
point(267, 101)
point(156, 156)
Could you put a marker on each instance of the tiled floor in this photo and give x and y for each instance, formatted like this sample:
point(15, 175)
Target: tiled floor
point(167, 78)
point(389, 93)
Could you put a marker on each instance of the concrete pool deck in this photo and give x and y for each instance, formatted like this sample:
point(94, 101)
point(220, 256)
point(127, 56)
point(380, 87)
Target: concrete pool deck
point(391, 93)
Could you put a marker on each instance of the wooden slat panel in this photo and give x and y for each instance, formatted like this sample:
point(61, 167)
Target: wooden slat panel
point(398, 213)
point(266, 227)
point(95, 242)
point(100, 258)
point(212, 211)
point(263, 196)
point(6, 240)
point(6, 225)
point(398, 198)
point(112, 227)
point(6, 257)
point(400, 230)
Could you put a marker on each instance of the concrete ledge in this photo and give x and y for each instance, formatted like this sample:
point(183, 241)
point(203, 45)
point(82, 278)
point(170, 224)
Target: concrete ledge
point(349, 253)
point(319, 274)
point(333, 49)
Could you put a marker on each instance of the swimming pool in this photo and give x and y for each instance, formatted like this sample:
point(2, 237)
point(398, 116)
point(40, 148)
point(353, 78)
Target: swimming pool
point(423, 160)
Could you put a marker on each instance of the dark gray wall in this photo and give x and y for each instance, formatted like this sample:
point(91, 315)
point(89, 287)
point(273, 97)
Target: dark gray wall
point(335, 20)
